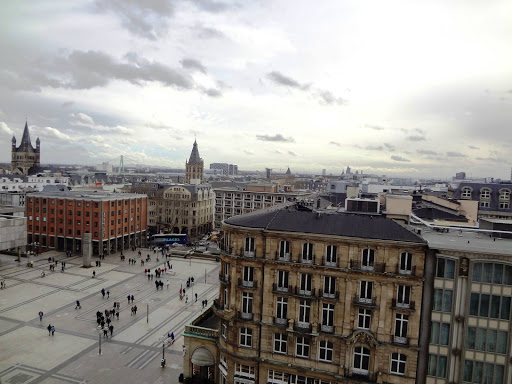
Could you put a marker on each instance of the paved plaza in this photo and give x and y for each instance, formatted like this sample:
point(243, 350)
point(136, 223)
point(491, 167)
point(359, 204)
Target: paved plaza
point(29, 355)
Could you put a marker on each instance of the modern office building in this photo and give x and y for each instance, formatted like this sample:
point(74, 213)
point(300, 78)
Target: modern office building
point(227, 169)
point(312, 298)
point(58, 220)
point(467, 299)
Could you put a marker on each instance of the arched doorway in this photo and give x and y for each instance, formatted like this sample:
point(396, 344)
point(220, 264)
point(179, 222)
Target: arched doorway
point(203, 366)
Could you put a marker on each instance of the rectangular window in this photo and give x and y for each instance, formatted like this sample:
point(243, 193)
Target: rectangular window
point(364, 319)
point(249, 247)
point(437, 365)
point(404, 296)
point(329, 286)
point(405, 263)
point(368, 259)
point(440, 333)
point(282, 280)
point(304, 312)
point(248, 274)
point(401, 324)
point(224, 331)
point(443, 300)
point(305, 283)
point(280, 340)
point(485, 305)
point(331, 255)
point(302, 347)
point(366, 291)
point(284, 249)
point(327, 314)
point(325, 351)
point(282, 308)
point(245, 337)
point(445, 268)
point(398, 363)
point(247, 302)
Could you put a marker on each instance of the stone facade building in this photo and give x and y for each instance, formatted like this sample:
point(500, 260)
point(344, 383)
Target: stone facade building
point(194, 167)
point(493, 198)
point(25, 159)
point(313, 298)
point(178, 208)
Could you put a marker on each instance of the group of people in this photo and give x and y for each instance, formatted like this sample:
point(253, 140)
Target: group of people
point(103, 293)
point(134, 310)
point(160, 285)
point(105, 320)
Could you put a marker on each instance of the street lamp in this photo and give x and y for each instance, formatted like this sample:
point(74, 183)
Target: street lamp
point(166, 341)
point(99, 339)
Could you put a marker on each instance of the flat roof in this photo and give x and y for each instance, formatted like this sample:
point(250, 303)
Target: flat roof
point(497, 221)
point(456, 240)
point(82, 195)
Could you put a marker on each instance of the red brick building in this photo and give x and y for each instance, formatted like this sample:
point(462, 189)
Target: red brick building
point(57, 220)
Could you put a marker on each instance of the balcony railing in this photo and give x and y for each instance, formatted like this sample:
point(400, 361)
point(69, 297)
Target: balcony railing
point(306, 259)
point(326, 328)
point(200, 331)
point(375, 267)
point(224, 278)
point(328, 295)
point(302, 327)
point(365, 302)
point(277, 289)
point(410, 272)
point(399, 340)
point(329, 263)
point(407, 306)
point(280, 321)
point(283, 257)
point(247, 284)
point(247, 253)
point(245, 315)
point(305, 292)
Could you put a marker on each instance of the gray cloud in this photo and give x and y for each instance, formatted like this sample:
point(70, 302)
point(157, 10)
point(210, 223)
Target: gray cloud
point(492, 159)
point(193, 65)
point(416, 138)
point(247, 152)
point(426, 152)
point(67, 104)
point(89, 69)
point(205, 33)
point(4, 129)
point(210, 6)
point(335, 143)
point(327, 97)
point(375, 127)
point(212, 92)
point(292, 153)
point(391, 147)
point(374, 148)
point(472, 147)
point(400, 158)
point(148, 19)
point(277, 138)
point(280, 79)
point(455, 154)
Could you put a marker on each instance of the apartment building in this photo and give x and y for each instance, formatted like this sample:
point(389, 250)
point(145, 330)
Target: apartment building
point(58, 220)
point(468, 293)
point(231, 201)
point(312, 298)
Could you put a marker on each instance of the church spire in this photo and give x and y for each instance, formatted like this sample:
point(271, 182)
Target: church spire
point(194, 155)
point(25, 140)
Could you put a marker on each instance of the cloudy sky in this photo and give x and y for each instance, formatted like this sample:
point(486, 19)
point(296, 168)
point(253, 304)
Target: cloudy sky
point(413, 88)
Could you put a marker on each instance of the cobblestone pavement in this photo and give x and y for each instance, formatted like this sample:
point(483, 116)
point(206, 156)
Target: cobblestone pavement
point(29, 355)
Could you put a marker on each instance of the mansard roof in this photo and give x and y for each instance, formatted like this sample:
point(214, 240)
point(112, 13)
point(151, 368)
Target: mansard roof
point(346, 225)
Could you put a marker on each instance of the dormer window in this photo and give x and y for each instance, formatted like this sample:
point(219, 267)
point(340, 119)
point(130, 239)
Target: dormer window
point(485, 193)
point(466, 193)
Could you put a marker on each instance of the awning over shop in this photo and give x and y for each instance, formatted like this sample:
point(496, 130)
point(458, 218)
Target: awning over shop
point(202, 357)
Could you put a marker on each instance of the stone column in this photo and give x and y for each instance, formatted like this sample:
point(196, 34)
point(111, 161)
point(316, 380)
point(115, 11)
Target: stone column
point(87, 249)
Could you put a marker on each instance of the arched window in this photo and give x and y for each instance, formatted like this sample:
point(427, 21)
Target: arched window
point(361, 361)
point(466, 193)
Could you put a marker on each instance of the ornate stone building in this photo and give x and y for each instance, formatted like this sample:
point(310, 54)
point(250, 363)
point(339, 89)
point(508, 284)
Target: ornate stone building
point(25, 159)
point(194, 167)
point(312, 298)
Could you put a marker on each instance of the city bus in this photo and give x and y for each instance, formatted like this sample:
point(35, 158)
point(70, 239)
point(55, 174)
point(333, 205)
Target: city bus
point(168, 238)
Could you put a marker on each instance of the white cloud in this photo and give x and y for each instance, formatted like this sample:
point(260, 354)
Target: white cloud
point(4, 129)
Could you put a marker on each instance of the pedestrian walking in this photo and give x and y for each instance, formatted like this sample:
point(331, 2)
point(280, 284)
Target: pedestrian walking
point(108, 321)
point(135, 310)
point(111, 329)
point(186, 299)
point(118, 305)
point(131, 314)
point(128, 297)
point(132, 298)
point(108, 294)
point(103, 292)
point(49, 328)
point(53, 330)
point(117, 315)
point(40, 315)
point(196, 297)
point(102, 323)
point(93, 274)
point(78, 306)
point(167, 283)
point(105, 334)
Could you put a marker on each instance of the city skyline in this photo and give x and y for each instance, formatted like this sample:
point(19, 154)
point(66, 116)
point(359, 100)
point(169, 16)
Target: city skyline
point(403, 89)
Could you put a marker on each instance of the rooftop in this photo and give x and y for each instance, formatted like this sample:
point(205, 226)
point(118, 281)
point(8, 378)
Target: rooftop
point(466, 241)
point(93, 195)
point(357, 226)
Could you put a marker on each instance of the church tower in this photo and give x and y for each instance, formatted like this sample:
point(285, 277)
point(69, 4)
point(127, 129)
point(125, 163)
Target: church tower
point(194, 167)
point(25, 159)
